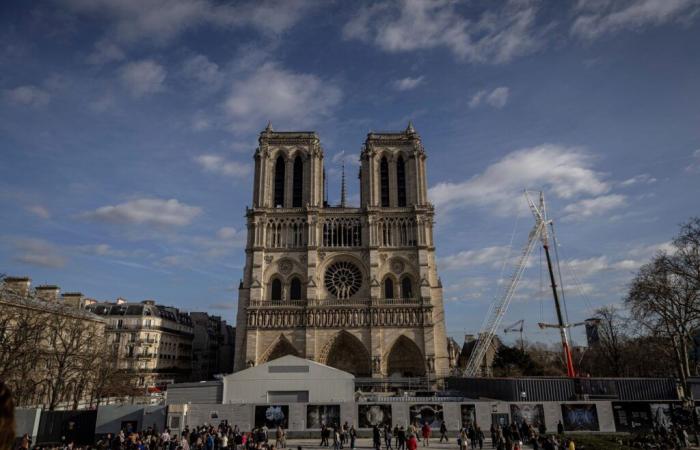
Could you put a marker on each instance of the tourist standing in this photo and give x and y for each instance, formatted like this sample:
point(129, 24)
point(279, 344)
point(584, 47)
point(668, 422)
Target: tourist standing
point(401, 439)
point(443, 432)
point(376, 438)
point(388, 437)
point(426, 434)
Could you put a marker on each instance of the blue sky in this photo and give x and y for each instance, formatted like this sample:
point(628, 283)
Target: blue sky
point(127, 129)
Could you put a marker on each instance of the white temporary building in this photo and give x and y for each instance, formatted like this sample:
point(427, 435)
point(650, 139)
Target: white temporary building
point(289, 379)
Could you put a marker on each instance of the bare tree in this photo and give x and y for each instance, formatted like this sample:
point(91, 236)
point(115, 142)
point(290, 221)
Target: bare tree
point(612, 334)
point(664, 296)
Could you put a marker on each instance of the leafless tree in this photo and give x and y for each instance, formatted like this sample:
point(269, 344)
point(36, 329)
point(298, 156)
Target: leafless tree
point(664, 296)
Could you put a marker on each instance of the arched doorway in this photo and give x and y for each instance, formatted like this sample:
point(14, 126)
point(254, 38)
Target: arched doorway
point(281, 347)
point(345, 352)
point(405, 359)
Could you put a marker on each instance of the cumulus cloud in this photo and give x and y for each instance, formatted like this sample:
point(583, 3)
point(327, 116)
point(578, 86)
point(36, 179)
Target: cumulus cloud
point(219, 164)
point(143, 77)
point(597, 18)
point(104, 52)
point(39, 211)
point(596, 206)
point(497, 36)
point(492, 256)
point(496, 98)
point(148, 211)
point(564, 172)
point(159, 21)
point(227, 233)
point(407, 84)
point(643, 178)
point(694, 166)
point(203, 70)
point(280, 95)
point(347, 158)
point(28, 95)
point(38, 252)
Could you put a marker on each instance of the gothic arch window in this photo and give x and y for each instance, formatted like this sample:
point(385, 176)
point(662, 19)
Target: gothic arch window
point(401, 181)
point(295, 289)
point(384, 181)
point(276, 290)
point(297, 182)
point(279, 182)
point(388, 288)
point(406, 287)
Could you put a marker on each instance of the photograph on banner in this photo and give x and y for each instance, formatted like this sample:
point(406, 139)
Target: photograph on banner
point(632, 416)
point(468, 415)
point(272, 416)
point(662, 415)
point(529, 413)
point(430, 414)
point(371, 415)
point(580, 417)
point(319, 415)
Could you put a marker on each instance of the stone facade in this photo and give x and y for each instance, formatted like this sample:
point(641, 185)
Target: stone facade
point(352, 287)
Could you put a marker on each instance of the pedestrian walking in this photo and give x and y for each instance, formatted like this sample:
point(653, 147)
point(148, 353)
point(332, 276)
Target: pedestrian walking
point(443, 432)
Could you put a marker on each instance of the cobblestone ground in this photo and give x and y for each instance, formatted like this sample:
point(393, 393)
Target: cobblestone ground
point(292, 444)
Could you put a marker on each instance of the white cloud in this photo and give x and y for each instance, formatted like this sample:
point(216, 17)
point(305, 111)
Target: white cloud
point(158, 21)
point(492, 256)
point(496, 98)
point(407, 84)
point(39, 211)
point(404, 25)
point(200, 68)
point(564, 172)
point(28, 95)
point(599, 18)
point(596, 206)
point(101, 250)
point(227, 233)
point(38, 252)
point(149, 211)
point(218, 164)
point(273, 93)
point(347, 158)
point(643, 178)
point(105, 52)
point(143, 77)
point(694, 166)
point(586, 267)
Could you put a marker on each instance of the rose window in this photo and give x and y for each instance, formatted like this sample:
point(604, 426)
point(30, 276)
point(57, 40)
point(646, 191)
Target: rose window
point(343, 279)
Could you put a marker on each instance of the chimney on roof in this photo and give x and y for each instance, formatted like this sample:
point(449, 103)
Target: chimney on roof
point(18, 285)
point(469, 338)
point(74, 299)
point(120, 301)
point(48, 292)
point(148, 302)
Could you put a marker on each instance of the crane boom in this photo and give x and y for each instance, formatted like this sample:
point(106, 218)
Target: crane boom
point(500, 305)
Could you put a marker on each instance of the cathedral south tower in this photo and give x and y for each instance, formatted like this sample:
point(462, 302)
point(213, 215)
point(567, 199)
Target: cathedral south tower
point(355, 288)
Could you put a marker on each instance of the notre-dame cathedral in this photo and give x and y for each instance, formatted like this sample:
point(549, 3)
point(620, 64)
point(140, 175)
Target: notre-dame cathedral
point(355, 288)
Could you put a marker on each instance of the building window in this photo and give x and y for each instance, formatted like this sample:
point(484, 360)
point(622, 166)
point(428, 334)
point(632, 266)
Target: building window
point(401, 181)
point(297, 182)
point(279, 182)
point(384, 176)
point(295, 289)
point(406, 288)
point(276, 290)
point(388, 288)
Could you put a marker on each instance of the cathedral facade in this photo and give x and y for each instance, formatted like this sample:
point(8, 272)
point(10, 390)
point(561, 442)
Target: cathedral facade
point(354, 288)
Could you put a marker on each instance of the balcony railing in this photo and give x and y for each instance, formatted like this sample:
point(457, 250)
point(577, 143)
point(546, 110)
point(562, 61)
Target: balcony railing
point(337, 302)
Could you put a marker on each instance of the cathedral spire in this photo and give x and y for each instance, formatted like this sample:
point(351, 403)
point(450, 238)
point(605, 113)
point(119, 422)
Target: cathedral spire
point(409, 128)
point(268, 128)
point(342, 187)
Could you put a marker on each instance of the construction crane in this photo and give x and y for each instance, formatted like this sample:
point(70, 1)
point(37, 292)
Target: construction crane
point(517, 326)
point(500, 304)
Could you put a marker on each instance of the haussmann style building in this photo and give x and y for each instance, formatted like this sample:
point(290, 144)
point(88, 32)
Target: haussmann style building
point(355, 288)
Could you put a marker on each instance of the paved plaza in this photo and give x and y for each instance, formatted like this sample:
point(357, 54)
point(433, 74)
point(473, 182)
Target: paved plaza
point(365, 443)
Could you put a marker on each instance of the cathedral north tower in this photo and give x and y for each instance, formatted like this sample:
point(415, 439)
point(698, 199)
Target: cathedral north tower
point(353, 288)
